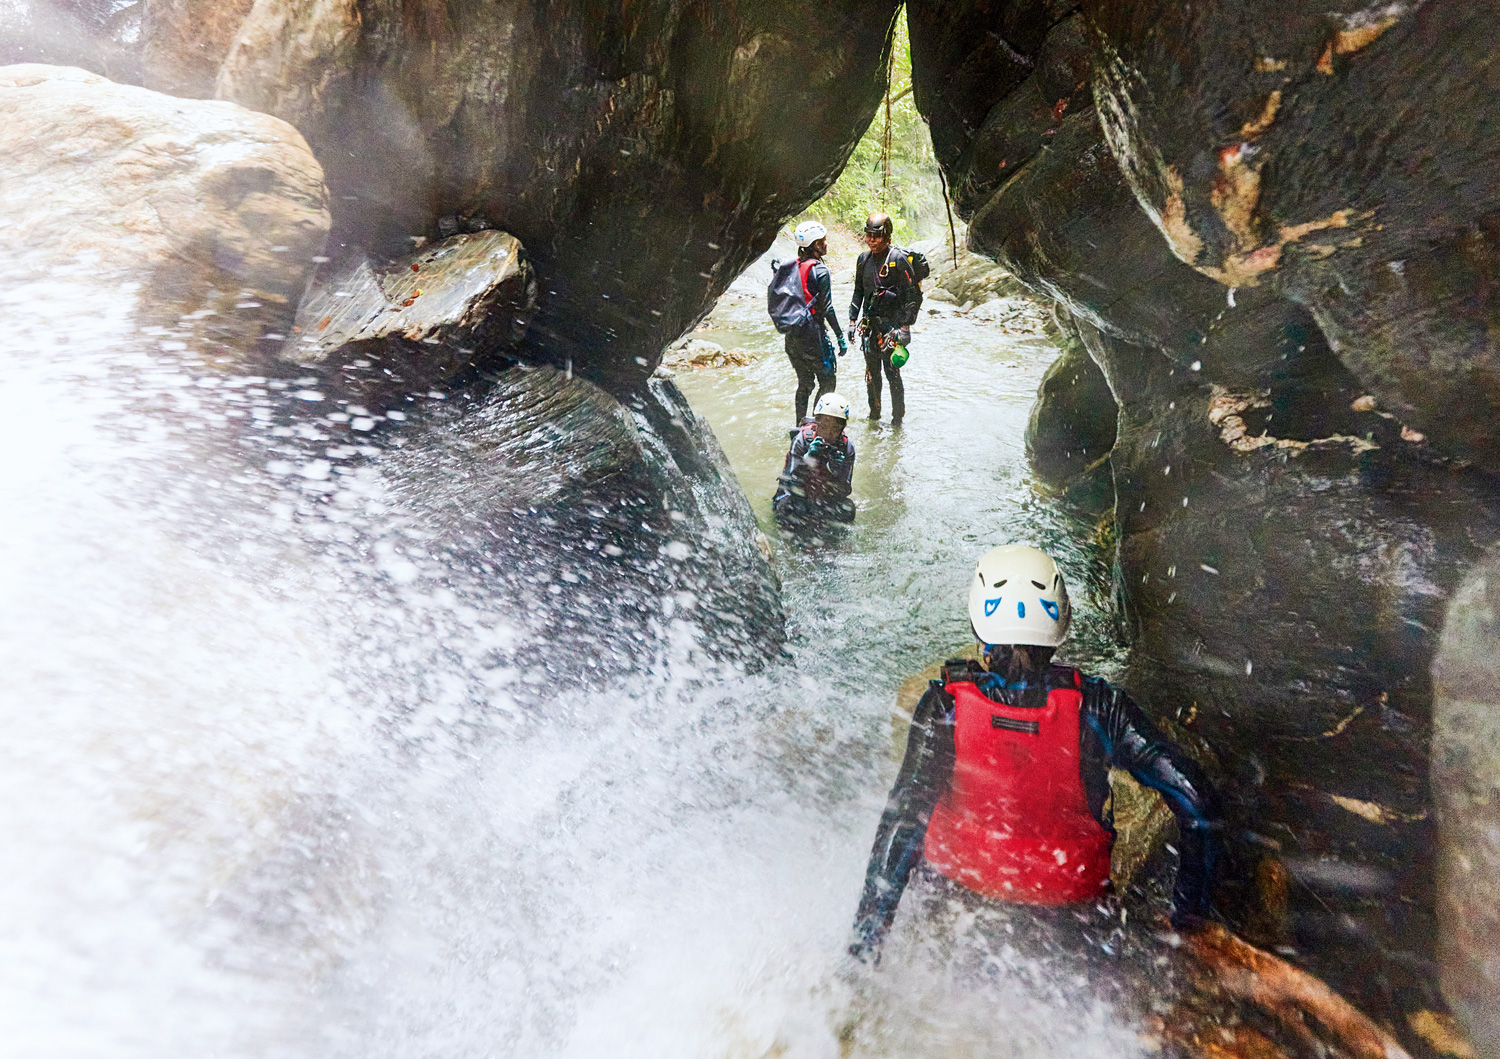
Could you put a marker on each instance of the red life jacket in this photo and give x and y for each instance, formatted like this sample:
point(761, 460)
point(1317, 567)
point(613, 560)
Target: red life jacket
point(804, 269)
point(1015, 823)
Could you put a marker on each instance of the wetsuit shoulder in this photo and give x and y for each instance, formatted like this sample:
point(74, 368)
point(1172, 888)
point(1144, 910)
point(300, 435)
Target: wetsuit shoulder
point(1130, 741)
point(958, 671)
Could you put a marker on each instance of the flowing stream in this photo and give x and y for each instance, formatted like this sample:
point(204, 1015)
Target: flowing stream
point(282, 790)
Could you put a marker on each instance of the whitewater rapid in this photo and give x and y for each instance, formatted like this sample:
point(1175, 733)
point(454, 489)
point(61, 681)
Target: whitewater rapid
point(277, 781)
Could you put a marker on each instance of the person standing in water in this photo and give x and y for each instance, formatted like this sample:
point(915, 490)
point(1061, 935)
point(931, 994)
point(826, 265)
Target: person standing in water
point(807, 345)
point(888, 293)
point(819, 472)
point(1006, 777)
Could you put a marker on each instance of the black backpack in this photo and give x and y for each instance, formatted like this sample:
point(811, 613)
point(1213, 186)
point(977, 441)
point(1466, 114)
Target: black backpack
point(917, 261)
point(787, 298)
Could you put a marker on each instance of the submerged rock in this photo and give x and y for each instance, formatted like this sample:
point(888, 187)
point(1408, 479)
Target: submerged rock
point(205, 215)
point(612, 523)
point(417, 321)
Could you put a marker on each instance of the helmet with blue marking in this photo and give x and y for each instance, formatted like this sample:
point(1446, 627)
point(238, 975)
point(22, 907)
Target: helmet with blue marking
point(1018, 597)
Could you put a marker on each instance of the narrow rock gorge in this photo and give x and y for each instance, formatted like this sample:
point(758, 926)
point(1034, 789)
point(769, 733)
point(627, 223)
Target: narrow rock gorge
point(466, 232)
point(1268, 223)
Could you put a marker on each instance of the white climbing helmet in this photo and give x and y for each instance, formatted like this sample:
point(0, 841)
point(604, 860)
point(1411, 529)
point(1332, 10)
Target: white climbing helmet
point(831, 404)
point(1018, 597)
point(808, 233)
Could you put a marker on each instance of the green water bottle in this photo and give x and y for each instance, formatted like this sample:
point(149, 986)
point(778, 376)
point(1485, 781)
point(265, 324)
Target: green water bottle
point(899, 355)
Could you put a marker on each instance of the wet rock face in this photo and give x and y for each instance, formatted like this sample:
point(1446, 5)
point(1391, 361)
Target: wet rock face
point(643, 153)
point(1283, 565)
point(213, 212)
point(417, 322)
point(1072, 425)
point(1275, 248)
point(608, 522)
point(1466, 786)
point(1324, 150)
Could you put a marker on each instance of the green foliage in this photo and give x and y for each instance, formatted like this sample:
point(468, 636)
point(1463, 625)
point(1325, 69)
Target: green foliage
point(913, 197)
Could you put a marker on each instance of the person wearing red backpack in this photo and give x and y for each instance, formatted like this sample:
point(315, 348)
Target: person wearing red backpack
point(1005, 786)
point(807, 345)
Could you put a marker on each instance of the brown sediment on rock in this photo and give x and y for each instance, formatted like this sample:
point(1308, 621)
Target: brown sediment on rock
point(1226, 411)
point(1251, 129)
point(1173, 222)
point(1246, 269)
point(1288, 994)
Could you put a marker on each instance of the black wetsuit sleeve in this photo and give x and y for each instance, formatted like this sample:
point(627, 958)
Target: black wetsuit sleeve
point(839, 463)
point(899, 841)
point(1133, 743)
point(821, 281)
point(860, 294)
point(787, 484)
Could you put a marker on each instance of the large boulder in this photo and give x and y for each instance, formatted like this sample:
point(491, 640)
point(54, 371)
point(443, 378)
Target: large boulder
point(1466, 785)
point(206, 216)
point(644, 157)
point(418, 321)
point(604, 521)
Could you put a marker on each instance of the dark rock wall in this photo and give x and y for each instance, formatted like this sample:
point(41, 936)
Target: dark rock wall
point(643, 153)
point(1269, 225)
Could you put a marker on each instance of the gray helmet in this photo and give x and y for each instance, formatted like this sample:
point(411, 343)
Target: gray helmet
point(879, 224)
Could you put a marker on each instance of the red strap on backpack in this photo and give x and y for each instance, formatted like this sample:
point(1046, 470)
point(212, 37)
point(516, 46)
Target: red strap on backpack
point(804, 269)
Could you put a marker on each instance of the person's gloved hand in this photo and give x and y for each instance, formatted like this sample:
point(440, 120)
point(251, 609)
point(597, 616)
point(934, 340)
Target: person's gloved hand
point(843, 348)
point(864, 944)
point(901, 336)
point(817, 447)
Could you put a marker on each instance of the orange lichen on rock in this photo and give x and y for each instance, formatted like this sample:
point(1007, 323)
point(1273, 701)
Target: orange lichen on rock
point(1253, 129)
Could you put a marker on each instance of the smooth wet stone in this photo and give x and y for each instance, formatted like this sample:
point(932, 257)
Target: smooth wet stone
point(205, 215)
point(1466, 787)
point(607, 521)
point(1072, 425)
point(416, 321)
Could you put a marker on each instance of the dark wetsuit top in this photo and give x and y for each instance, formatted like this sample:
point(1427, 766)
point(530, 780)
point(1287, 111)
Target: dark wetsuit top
point(820, 283)
point(888, 300)
point(822, 481)
point(1113, 733)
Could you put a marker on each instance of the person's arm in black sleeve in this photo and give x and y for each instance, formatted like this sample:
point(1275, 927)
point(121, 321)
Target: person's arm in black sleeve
point(925, 774)
point(789, 484)
point(859, 291)
point(1134, 744)
point(822, 284)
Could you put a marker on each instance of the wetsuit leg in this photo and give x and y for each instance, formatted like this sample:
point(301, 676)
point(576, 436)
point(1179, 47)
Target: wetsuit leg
point(872, 375)
point(807, 364)
point(898, 389)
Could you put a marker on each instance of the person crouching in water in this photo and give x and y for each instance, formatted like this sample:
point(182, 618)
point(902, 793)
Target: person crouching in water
point(1006, 775)
point(807, 346)
point(819, 473)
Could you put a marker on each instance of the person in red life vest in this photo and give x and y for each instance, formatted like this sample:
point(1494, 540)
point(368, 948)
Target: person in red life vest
point(1006, 776)
point(807, 346)
point(819, 473)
